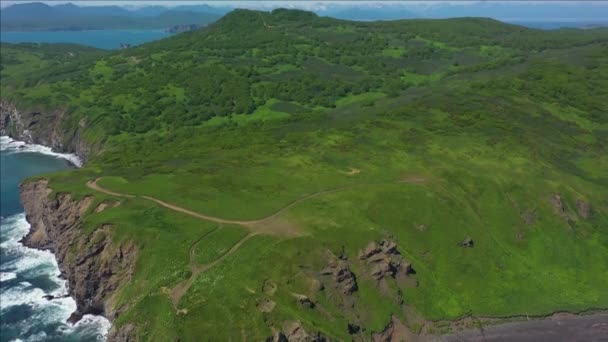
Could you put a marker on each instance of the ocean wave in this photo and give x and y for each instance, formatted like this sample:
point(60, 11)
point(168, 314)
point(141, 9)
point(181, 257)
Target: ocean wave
point(50, 304)
point(10, 145)
point(6, 276)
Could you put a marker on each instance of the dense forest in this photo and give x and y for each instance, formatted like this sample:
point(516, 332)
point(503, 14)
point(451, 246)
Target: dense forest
point(477, 147)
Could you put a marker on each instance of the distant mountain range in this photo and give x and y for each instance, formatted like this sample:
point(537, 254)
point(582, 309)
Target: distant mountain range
point(39, 16)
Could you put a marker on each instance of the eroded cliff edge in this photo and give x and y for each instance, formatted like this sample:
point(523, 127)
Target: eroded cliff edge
point(44, 128)
point(93, 265)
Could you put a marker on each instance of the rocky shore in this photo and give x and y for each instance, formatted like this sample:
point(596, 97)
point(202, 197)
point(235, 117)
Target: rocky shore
point(93, 267)
point(43, 128)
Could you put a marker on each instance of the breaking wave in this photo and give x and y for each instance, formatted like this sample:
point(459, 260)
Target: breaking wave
point(9, 145)
point(34, 302)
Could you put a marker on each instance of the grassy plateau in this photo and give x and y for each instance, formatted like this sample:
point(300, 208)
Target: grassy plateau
point(302, 137)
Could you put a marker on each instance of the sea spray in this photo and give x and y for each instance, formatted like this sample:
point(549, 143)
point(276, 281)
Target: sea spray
point(32, 284)
point(10, 145)
point(34, 301)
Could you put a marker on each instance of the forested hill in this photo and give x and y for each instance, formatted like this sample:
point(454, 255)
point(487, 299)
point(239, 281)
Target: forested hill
point(250, 57)
point(300, 176)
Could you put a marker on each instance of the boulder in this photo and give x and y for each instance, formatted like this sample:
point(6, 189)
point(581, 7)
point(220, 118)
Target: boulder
point(467, 242)
point(304, 301)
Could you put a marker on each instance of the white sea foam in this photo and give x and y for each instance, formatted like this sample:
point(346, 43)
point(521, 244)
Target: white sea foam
point(6, 276)
point(29, 263)
point(13, 146)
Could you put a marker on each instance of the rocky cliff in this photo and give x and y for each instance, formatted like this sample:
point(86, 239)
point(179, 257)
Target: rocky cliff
point(44, 128)
point(93, 266)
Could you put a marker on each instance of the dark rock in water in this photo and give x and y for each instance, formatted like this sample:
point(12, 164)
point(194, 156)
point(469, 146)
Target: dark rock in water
point(48, 297)
point(583, 208)
point(353, 328)
point(467, 242)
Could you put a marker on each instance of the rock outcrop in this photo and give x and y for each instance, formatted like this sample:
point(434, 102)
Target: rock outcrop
point(295, 332)
point(467, 242)
point(44, 128)
point(384, 260)
point(92, 265)
point(342, 277)
point(394, 331)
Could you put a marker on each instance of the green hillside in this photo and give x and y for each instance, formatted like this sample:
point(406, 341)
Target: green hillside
point(302, 139)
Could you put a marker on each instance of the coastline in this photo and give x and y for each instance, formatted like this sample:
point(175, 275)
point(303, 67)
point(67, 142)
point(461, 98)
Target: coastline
point(18, 233)
point(8, 143)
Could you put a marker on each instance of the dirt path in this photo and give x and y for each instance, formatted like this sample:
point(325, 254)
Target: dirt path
point(180, 289)
point(269, 225)
point(93, 185)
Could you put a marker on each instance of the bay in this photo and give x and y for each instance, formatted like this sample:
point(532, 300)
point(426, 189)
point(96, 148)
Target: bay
point(102, 39)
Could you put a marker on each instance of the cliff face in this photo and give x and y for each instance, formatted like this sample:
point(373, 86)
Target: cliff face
point(93, 266)
point(42, 128)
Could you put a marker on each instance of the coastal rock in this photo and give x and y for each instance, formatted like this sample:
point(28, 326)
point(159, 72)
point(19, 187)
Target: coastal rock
point(44, 128)
point(96, 267)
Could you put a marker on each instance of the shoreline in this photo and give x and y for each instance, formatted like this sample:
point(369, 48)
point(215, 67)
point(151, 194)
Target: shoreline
point(19, 146)
point(99, 323)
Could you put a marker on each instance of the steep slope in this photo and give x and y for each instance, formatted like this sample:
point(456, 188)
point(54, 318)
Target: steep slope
point(401, 174)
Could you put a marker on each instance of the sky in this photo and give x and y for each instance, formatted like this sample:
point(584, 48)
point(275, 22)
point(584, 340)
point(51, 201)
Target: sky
point(304, 4)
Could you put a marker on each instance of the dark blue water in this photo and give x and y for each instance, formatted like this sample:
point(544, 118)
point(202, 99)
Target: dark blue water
point(28, 275)
point(103, 39)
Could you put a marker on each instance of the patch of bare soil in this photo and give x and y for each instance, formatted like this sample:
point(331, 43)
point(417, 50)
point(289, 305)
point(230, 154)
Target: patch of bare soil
point(105, 205)
point(265, 305)
point(351, 172)
point(269, 287)
point(395, 331)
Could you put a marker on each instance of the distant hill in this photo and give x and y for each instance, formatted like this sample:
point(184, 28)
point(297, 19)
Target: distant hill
point(286, 176)
point(369, 13)
point(39, 16)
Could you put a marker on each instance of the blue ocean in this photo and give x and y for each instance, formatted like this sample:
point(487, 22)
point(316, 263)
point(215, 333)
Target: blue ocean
point(102, 39)
point(29, 276)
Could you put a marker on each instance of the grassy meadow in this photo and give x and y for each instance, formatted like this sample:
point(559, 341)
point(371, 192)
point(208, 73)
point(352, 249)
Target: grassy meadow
point(424, 132)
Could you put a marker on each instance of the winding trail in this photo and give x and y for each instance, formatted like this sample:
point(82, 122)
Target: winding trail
point(268, 225)
point(271, 224)
point(180, 289)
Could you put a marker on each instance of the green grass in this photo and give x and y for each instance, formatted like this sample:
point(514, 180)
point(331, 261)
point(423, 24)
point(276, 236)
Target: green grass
point(218, 243)
point(461, 151)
